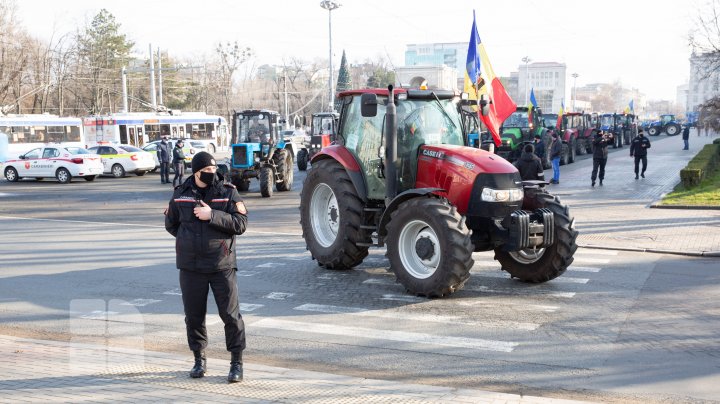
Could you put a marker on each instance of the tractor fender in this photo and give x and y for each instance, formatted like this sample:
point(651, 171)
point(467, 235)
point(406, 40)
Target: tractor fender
point(393, 205)
point(293, 148)
point(345, 159)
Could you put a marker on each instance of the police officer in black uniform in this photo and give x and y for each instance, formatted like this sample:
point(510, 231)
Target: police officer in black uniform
point(204, 215)
point(600, 155)
point(638, 148)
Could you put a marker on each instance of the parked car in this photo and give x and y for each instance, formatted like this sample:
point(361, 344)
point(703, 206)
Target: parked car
point(190, 148)
point(119, 159)
point(63, 163)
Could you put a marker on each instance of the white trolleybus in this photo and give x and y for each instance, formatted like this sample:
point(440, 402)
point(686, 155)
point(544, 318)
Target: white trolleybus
point(30, 131)
point(139, 128)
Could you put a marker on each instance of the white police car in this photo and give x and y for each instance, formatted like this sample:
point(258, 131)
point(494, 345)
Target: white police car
point(63, 163)
point(119, 159)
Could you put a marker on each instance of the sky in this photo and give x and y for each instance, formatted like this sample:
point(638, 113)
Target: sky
point(641, 43)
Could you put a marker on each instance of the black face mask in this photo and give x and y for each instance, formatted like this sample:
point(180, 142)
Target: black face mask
point(208, 178)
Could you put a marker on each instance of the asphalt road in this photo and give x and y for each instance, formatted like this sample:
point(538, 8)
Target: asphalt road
point(92, 262)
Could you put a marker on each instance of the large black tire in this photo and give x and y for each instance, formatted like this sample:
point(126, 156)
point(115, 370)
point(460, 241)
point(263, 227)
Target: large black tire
point(302, 159)
point(242, 185)
point(140, 173)
point(429, 247)
point(331, 215)
point(63, 175)
point(11, 174)
point(267, 179)
point(571, 151)
point(565, 154)
point(543, 264)
point(580, 147)
point(653, 131)
point(284, 163)
point(672, 129)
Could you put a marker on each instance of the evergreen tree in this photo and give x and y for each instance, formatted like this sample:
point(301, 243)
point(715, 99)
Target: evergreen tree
point(381, 78)
point(344, 82)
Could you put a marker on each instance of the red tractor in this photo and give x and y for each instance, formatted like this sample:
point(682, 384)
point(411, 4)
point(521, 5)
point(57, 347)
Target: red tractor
point(323, 129)
point(399, 176)
point(577, 132)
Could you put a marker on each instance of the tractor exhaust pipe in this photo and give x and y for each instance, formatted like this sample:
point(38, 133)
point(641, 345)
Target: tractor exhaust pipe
point(390, 147)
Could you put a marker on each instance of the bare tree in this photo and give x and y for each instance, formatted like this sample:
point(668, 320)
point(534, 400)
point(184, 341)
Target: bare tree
point(704, 39)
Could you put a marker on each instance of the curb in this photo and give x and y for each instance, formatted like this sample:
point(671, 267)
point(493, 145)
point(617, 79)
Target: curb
point(688, 207)
point(712, 254)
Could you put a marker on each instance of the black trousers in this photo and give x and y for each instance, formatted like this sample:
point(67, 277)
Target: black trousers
point(637, 162)
point(194, 287)
point(179, 170)
point(164, 172)
point(598, 163)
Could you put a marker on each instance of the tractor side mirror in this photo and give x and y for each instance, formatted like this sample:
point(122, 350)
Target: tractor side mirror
point(368, 105)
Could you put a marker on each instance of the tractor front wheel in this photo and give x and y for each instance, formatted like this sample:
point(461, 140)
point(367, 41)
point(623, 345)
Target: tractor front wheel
point(302, 159)
point(331, 216)
point(672, 129)
point(267, 178)
point(284, 163)
point(536, 265)
point(429, 247)
point(653, 131)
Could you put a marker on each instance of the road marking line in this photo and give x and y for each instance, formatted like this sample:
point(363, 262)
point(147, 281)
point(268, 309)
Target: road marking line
point(272, 233)
point(400, 336)
point(174, 292)
point(278, 295)
point(593, 251)
point(493, 304)
point(359, 311)
point(505, 275)
point(270, 265)
point(140, 302)
point(245, 273)
point(584, 269)
point(250, 306)
point(592, 260)
point(524, 292)
point(377, 281)
point(403, 298)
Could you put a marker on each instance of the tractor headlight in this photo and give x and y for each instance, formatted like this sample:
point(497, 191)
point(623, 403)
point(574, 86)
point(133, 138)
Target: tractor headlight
point(502, 195)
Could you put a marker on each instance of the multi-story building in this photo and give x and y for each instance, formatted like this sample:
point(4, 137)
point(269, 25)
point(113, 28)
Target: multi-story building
point(704, 82)
point(547, 80)
point(437, 54)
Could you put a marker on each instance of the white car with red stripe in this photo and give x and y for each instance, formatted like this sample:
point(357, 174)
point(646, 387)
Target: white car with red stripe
point(63, 163)
point(119, 159)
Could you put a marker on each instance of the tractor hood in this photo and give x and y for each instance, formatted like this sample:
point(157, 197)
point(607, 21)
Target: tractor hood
point(455, 169)
point(512, 136)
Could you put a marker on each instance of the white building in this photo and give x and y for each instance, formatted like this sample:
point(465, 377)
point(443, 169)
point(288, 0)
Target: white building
point(441, 77)
point(704, 81)
point(547, 79)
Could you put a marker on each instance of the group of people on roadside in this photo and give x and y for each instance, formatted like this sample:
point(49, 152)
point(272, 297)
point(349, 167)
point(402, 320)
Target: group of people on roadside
point(176, 156)
point(530, 163)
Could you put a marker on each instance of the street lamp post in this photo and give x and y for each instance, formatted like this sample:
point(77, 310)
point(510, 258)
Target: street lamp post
point(574, 92)
point(330, 6)
point(526, 60)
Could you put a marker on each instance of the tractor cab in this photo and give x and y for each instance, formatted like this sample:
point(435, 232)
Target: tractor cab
point(323, 129)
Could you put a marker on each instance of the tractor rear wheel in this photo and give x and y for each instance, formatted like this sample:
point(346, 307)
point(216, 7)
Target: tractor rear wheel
point(565, 154)
point(331, 215)
point(267, 178)
point(536, 265)
point(571, 151)
point(672, 129)
point(302, 159)
point(429, 247)
point(242, 185)
point(284, 164)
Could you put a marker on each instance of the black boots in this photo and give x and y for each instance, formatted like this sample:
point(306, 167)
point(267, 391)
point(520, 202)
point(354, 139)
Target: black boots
point(200, 365)
point(236, 369)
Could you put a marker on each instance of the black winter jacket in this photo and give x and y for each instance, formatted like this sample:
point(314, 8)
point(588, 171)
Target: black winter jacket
point(530, 167)
point(163, 152)
point(206, 246)
point(178, 155)
point(555, 148)
point(600, 148)
point(639, 146)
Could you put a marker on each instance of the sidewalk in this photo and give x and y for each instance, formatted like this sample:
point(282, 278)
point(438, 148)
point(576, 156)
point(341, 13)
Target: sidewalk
point(49, 371)
point(618, 215)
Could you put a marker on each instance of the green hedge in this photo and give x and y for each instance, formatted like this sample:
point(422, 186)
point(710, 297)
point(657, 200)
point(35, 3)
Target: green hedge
point(701, 165)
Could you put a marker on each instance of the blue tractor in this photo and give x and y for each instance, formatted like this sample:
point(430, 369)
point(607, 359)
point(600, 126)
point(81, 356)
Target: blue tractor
point(667, 124)
point(259, 151)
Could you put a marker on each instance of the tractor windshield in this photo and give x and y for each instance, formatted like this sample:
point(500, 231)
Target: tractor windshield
point(253, 128)
point(550, 120)
point(518, 119)
point(667, 118)
point(323, 125)
point(429, 122)
point(606, 121)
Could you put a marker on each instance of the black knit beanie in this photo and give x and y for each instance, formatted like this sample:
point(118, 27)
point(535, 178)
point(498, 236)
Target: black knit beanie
point(202, 160)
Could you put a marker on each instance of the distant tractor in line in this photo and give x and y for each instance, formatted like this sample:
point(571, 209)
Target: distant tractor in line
point(667, 124)
point(323, 128)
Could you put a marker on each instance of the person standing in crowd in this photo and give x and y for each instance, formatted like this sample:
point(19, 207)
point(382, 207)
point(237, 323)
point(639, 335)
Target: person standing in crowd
point(686, 137)
point(178, 161)
point(204, 215)
point(539, 147)
point(164, 155)
point(555, 153)
point(638, 148)
point(600, 154)
point(529, 165)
